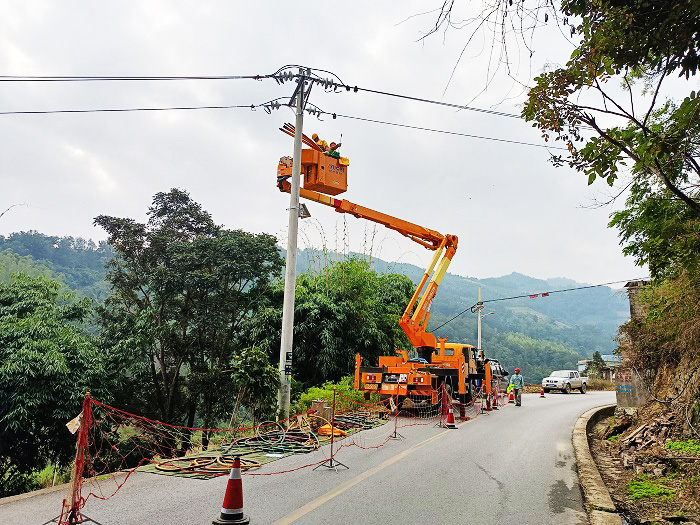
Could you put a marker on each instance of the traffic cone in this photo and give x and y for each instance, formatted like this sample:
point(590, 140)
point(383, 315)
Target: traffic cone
point(232, 509)
point(541, 392)
point(511, 397)
point(450, 419)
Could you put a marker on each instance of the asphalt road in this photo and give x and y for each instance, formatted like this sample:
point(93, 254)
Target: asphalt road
point(512, 466)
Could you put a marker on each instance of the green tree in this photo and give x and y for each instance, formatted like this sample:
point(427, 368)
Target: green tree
point(596, 366)
point(182, 289)
point(46, 366)
point(79, 262)
point(11, 264)
point(344, 310)
point(255, 383)
point(658, 231)
point(615, 107)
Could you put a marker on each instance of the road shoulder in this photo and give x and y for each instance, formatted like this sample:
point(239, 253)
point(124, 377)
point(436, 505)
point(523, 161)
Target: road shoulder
point(597, 501)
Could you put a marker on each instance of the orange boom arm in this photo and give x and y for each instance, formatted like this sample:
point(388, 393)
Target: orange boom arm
point(414, 325)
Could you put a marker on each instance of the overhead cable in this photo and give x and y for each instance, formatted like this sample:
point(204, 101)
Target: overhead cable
point(474, 307)
point(272, 104)
point(456, 133)
point(58, 78)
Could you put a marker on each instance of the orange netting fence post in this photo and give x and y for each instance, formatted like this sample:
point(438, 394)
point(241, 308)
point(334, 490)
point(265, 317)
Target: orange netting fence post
point(70, 513)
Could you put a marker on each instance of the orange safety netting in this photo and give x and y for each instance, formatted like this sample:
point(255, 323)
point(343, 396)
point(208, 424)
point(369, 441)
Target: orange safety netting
point(112, 443)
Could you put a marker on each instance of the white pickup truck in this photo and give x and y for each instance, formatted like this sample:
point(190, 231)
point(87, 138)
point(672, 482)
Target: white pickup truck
point(564, 380)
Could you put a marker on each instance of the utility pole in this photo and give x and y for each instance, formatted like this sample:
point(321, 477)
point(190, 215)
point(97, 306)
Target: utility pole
point(285, 369)
point(479, 307)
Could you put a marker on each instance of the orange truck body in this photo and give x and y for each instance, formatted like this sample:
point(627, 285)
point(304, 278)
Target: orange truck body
point(455, 366)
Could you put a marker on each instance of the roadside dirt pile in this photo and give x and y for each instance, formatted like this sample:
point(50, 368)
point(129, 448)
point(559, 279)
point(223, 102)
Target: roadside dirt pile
point(650, 458)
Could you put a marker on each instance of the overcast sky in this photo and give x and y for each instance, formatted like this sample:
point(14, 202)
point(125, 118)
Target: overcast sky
point(510, 208)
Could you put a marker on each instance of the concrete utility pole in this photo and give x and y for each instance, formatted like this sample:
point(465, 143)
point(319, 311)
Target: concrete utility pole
point(290, 276)
point(479, 307)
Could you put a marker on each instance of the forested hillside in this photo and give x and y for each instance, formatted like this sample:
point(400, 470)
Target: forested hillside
point(537, 334)
point(173, 311)
point(77, 262)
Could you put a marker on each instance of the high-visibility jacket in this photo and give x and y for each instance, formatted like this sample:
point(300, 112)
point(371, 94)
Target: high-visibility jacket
point(517, 381)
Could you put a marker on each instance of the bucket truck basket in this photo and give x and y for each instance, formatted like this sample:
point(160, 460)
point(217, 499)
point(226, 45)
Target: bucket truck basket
point(319, 172)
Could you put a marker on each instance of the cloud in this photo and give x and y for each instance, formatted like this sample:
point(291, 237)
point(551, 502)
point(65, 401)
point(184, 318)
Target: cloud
point(510, 208)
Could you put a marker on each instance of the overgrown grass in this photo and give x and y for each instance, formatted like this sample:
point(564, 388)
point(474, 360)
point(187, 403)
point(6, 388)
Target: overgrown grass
point(690, 446)
point(599, 384)
point(45, 477)
point(643, 487)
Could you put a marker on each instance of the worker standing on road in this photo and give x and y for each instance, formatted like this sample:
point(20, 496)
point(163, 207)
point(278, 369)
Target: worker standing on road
point(517, 382)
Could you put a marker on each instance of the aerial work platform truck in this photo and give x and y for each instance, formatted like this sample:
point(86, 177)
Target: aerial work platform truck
point(435, 365)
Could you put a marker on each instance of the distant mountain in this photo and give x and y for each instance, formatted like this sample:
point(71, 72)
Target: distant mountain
point(537, 334)
point(78, 263)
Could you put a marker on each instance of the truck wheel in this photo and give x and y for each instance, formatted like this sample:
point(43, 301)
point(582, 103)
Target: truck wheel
point(583, 388)
point(546, 390)
point(567, 388)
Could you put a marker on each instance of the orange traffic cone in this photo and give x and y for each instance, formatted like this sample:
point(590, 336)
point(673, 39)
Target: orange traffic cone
point(541, 392)
point(511, 397)
point(232, 509)
point(450, 419)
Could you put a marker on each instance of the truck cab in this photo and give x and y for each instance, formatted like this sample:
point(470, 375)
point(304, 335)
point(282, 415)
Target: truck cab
point(565, 380)
point(454, 366)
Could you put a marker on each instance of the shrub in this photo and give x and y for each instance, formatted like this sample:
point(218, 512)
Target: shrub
point(685, 447)
point(346, 395)
point(642, 487)
point(600, 384)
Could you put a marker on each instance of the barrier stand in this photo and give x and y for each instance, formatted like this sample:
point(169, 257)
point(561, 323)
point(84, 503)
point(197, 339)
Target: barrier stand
point(443, 408)
point(485, 402)
point(462, 412)
point(70, 511)
point(332, 462)
point(396, 435)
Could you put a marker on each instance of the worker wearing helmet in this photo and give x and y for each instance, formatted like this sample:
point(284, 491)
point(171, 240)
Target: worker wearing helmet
point(517, 382)
point(320, 142)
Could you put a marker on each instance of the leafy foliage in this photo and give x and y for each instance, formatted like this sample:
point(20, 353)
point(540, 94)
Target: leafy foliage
point(344, 390)
point(46, 366)
point(182, 289)
point(595, 367)
point(345, 310)
point(689, 446)
point(658, 231)
point(78, 262)
point(636, 42)
point(643, 487)
point(11, 264)
point(671, 329)
point(255, 382)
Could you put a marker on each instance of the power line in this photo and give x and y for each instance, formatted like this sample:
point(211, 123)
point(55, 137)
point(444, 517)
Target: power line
point(29, 78)
point(282, 75)
point(268, 106)
point(428, 101)
point(456, 133)
point(532, 296)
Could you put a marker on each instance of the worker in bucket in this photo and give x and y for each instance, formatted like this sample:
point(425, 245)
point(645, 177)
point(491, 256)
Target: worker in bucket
point(517, 383)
